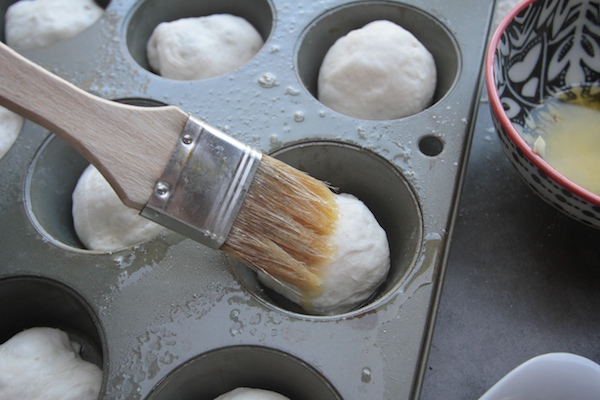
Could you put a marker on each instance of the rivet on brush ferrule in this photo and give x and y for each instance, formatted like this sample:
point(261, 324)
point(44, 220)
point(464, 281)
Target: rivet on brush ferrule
point(203, 185)
point(161, 189)
point(187, 138)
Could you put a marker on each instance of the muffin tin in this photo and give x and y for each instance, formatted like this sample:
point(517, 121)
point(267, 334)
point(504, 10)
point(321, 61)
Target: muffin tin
point(169, 318)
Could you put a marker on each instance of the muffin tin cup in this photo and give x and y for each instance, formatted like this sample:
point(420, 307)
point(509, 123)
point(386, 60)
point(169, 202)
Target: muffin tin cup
point(383, 190)
point(170, 317)
point(29, 301)
point(222, 370)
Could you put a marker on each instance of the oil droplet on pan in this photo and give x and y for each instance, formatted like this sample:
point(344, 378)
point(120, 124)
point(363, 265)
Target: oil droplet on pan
point(236, 329)
point(267, 81)
point(292, 91)
point(365, 375)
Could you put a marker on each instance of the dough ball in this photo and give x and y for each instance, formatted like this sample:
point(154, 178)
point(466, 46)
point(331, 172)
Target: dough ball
point(10, 126)
point(102, 222)
point(202, 47)
point(42, 363)
point(380, 71)
point(32, 24)
point(244, 393)
point(360, 264)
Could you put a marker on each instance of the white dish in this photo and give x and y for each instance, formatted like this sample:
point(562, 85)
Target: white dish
point(553, 376)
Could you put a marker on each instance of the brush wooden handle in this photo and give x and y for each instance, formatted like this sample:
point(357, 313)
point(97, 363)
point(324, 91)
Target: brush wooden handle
point(130, 145)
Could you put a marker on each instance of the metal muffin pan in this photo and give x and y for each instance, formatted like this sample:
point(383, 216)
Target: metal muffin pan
point(169, 318)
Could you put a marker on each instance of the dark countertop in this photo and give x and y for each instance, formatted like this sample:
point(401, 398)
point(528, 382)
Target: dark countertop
point(522, 280)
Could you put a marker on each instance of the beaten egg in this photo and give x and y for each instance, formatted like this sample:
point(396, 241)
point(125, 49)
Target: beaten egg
point(567, 131)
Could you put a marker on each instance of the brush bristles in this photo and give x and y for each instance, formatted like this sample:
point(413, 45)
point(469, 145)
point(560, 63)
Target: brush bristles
point(284, 225)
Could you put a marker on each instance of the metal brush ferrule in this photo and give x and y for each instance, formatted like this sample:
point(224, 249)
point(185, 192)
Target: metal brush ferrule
point(204, 184)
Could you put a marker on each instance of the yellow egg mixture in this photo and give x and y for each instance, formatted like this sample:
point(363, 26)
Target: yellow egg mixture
point(568, 134)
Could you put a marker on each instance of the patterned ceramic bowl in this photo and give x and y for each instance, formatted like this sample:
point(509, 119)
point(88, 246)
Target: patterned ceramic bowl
point(539, 49)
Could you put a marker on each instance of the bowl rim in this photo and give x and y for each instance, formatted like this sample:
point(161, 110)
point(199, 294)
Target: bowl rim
point(512, 133)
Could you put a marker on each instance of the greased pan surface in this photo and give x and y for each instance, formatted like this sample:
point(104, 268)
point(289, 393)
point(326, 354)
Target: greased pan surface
point(169, 318)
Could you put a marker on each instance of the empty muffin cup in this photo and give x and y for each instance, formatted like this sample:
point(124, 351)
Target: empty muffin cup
point(29, 302)
point(144, 18)
point(316, 40)
point(376, 183)
point(219, 371)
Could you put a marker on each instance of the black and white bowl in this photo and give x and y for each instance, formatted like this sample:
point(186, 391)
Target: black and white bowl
point(542, 47)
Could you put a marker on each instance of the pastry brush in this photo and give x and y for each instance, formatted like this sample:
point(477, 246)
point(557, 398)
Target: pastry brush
point(186, 175)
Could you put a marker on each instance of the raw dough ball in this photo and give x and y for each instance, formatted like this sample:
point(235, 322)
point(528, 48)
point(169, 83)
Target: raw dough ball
point(202, 47)
point(10, 126)
point(378, 72)
point(244, 393)
point(42, 363)
point(31, 24)
point(102, 222)
point(360, 264)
